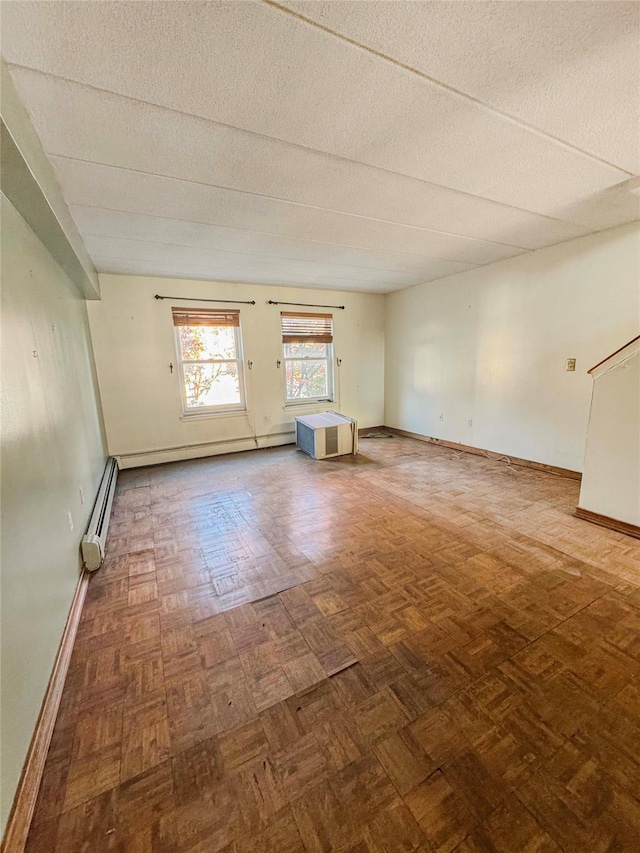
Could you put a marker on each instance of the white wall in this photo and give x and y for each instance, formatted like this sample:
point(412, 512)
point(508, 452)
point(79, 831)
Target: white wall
point(51, 446)
point(133, 341)
point(490, 346)
point(611, 479)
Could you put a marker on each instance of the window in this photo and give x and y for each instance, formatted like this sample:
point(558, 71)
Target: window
point(307, 341)
point(209, 360)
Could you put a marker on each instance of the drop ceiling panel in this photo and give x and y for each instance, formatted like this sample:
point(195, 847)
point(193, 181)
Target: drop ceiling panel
point(570, 69)
point(163, 269)
point(80, 122)
point(224, 260)
point(235, 140)
point(112, 188)
point(613, 206)
point(240, 266)
point(320, 92)
point(245, 266)
point(94, 222)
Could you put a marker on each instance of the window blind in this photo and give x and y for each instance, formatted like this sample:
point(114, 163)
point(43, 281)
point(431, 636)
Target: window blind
point(204, 317)
point(306, 328)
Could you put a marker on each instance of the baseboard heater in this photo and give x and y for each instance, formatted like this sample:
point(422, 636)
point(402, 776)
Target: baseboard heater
point(95, 540)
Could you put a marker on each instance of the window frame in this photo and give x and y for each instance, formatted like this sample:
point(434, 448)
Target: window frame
point(223, 408)
point(309, 401)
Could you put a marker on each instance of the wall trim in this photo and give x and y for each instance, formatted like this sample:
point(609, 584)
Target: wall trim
point(479, 451)
point(240, 444)
point(160, 455)
point(24, 802)
point(611, 523)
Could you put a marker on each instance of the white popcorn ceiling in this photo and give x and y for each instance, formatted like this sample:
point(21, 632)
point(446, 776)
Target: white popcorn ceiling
point(350, 145)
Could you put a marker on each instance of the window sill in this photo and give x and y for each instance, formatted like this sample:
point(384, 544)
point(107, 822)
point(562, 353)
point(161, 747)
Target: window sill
point(205, 416)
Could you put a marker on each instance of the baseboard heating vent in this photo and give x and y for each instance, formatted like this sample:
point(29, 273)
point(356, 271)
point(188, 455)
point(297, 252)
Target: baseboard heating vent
point(95, 539)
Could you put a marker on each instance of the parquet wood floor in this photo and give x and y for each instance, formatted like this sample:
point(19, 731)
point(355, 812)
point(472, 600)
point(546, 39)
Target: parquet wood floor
point(402, 651)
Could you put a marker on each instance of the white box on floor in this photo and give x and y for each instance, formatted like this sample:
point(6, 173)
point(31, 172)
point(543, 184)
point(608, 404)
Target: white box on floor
point(327, 434)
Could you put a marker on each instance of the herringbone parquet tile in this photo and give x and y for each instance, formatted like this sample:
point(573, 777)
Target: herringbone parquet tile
point(402, 651)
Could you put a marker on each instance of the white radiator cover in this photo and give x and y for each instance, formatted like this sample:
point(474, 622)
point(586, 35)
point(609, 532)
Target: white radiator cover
point(326, 435)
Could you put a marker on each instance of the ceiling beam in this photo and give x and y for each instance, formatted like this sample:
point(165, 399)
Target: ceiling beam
point(28, 181)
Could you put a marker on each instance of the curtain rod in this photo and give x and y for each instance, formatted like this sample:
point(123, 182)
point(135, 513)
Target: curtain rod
point(197, 299)
point(305, 305)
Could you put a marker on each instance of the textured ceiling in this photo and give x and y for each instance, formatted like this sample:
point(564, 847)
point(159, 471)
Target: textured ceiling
point(351, 145)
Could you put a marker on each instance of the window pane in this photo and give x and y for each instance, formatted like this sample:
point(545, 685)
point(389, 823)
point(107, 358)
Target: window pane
point(212, 385)
point(204, 342)
point(309, 350)
point(306, 379)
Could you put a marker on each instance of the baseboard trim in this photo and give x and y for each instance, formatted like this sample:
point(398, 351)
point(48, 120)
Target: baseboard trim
point(610, 523)
point(364, 430)
point(182, 452)
point(15, 837)
point(479, 451)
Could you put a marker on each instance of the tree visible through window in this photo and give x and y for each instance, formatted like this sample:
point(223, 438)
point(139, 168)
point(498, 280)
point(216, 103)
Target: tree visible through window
point(307, 341)
point(210, 359)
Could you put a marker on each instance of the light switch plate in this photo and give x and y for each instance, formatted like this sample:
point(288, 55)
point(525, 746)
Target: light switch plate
point(571, 364)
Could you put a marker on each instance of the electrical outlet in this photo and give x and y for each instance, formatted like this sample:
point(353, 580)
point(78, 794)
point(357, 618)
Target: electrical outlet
point(441, 418)
point(81, 490)
point(571, 364)
point(266, 420)
point(70, 520)
point(470, 422)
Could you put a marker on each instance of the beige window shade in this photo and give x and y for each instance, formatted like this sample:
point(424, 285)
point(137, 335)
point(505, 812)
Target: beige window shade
point(204, 317)
point(306, 328)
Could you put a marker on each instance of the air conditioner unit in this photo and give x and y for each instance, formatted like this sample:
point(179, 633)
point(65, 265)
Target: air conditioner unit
point(328, 434)
point(95, 540)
